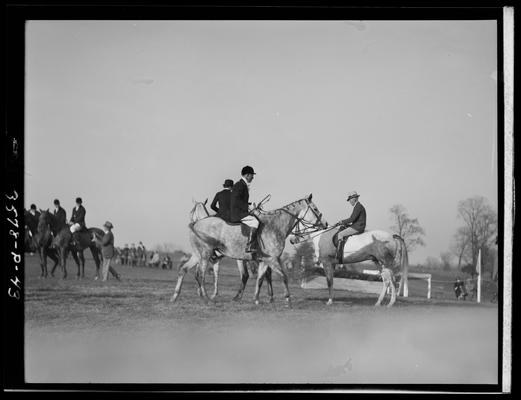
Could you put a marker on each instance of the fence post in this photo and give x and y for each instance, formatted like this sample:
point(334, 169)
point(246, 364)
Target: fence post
point(478, 267)
point(429, 287)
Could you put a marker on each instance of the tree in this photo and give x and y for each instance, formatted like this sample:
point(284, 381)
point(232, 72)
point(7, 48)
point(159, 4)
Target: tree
point(304, 254)
point(408, 228)
point(460, 246)
point(480, 224)
point(445, 258)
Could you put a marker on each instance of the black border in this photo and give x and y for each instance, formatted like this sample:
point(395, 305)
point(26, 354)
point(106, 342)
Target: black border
point(14, 41)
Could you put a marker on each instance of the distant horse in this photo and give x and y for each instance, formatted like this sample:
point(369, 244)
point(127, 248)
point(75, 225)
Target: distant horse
point(212, 234)
point(43, 240)
point(62, 242)
point(199, 211)
point(386, 250)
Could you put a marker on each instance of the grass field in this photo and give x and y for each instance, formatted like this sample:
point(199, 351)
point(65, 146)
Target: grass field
point(118, 332)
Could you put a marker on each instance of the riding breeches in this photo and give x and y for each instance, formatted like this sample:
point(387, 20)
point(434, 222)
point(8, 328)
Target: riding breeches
point(347, 232)
point(75, 227)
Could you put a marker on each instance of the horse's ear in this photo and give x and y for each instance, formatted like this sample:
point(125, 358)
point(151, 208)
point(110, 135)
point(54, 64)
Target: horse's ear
point(206, 201)
point(310, 196)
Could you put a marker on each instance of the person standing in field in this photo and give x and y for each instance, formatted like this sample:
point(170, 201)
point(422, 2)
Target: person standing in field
point(221, 201)
point(107, 251)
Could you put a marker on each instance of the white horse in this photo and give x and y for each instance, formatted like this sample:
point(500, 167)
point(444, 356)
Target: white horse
point(212, 234)
point(386, 250)
point(199, 211)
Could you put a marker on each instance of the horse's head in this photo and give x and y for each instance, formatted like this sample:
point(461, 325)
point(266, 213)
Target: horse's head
point(45, 220)
point(309, 220)
point(199, 211)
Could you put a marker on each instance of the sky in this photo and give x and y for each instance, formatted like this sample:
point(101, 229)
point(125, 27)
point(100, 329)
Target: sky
point(140, 118)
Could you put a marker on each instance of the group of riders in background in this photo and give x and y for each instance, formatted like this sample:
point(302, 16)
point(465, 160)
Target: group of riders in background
point(135, 256)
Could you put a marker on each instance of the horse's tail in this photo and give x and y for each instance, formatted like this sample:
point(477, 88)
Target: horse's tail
point(207, 239)
point(404, 266)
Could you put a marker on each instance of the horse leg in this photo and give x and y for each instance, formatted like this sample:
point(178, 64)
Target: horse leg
point(260, 275)
point(329, 270)
point(43, 262)
point(56, 258)
point(215, 280)
point(393, 289)
point(280, 269)
point(96, 256)
point(203, 265)
point(81, 265)
point(243, 271)
point(183, 269)
point(269, 284)
point(386, 278)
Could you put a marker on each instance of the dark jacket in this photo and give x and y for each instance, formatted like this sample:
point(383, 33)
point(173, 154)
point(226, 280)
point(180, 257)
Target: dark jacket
point(78, 216)
point(239, 201)
point(107, 245)
point(223, 198)
point(61, 218)
point(31, 221)
point(357, 218)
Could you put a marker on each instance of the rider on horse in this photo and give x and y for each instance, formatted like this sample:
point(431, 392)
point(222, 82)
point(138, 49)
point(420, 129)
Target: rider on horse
point(60, 215)
point(31, 220)
point(78, 220)
point(223, 198)
point(353, 225)
point(239, 205)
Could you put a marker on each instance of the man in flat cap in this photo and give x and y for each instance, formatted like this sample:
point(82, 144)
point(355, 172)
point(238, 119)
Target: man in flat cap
point(239, 203)
point(353, 225)
point(107, 250)
point(221, 201)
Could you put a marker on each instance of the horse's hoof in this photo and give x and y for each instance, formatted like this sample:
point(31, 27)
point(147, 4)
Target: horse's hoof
point(270, 300)
point(95, 278)
point(329, 302)
point(377, 305)
point(257, 302)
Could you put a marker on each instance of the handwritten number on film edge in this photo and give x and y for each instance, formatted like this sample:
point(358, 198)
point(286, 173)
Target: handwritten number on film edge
point(14, 289)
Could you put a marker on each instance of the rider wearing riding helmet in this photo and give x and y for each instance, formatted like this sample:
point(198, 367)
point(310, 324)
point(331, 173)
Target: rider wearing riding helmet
point(239, 203)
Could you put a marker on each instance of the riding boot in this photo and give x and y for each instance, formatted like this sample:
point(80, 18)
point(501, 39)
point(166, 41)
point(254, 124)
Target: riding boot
point(340, 250)
point(251, 240)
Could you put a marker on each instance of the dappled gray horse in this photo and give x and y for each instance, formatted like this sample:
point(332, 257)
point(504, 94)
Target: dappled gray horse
point(212, 234)
point(386, 250)
point(199, 211)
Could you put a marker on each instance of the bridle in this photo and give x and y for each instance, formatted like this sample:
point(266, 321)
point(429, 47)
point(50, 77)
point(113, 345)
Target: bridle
point(304, 227)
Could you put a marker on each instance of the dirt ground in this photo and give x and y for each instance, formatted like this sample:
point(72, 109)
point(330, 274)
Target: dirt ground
point(83, 331)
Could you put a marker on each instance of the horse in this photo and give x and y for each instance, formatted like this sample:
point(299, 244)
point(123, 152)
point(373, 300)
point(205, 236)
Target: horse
point(42, 240)
point(386, 250)
point(62, 242)
point(199, 211)
point(214, 234)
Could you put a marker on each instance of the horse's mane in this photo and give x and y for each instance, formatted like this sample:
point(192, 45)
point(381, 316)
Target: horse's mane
point(280, 209)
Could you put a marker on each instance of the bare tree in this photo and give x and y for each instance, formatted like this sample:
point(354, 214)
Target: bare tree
point(460, 246)
point(480, 223)
point(446, 258)
point(408, 228)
